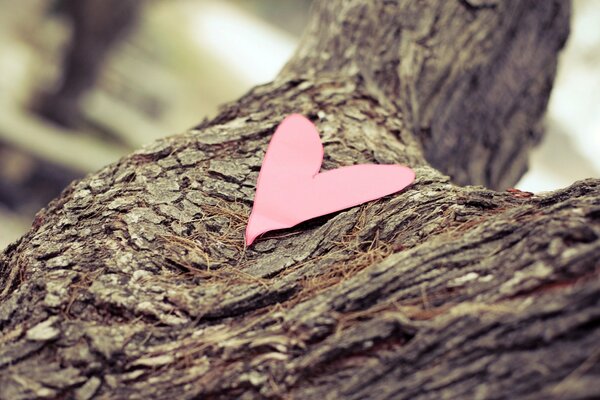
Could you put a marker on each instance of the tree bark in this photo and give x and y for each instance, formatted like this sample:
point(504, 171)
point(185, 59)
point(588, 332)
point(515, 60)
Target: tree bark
point(135, 282)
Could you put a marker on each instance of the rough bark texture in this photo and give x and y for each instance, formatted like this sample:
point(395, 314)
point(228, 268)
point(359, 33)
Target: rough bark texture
point(135, 283)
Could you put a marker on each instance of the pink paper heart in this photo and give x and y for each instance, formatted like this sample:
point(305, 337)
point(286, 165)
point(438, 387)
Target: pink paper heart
point(291, 190)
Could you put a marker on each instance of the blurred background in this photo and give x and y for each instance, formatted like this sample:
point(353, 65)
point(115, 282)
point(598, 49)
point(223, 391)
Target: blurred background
point(83, 82)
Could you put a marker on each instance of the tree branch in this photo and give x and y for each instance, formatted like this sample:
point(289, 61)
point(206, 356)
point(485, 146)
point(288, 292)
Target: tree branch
point(471, 83)
point(135, 282)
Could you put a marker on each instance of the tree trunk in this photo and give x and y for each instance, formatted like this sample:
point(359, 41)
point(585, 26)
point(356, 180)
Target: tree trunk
point(135, 282)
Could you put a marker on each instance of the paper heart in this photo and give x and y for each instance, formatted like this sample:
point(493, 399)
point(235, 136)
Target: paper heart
point(291, 190)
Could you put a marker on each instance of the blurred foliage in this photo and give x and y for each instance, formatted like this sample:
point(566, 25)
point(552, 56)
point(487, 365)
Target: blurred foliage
point(290, 15)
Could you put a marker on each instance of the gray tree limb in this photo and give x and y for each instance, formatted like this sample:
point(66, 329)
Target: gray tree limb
point(135, 282)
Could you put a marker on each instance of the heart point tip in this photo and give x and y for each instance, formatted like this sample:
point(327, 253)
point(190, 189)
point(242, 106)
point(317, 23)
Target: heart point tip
point(251, 234)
